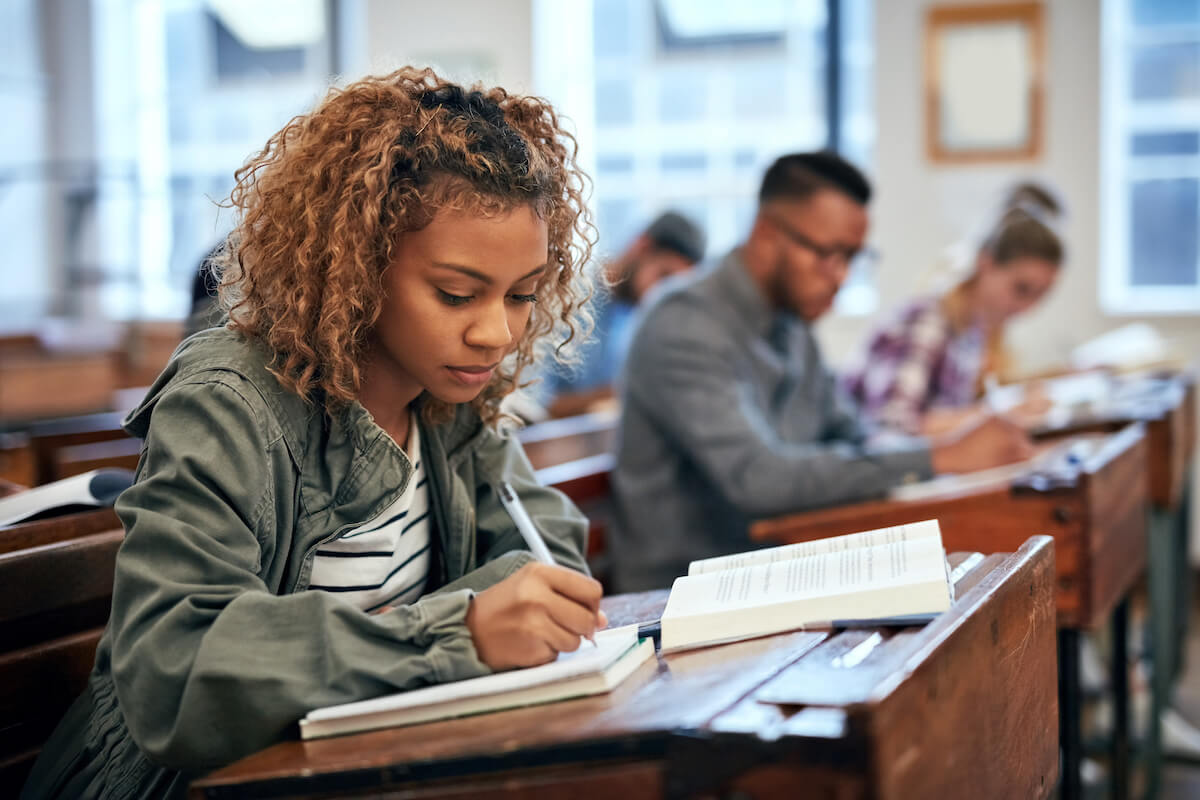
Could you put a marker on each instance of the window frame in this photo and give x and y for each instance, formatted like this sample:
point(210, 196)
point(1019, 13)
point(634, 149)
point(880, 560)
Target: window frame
point(1120, 120)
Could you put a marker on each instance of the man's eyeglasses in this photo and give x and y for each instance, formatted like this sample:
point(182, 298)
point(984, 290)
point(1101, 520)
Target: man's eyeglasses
point(829, 256)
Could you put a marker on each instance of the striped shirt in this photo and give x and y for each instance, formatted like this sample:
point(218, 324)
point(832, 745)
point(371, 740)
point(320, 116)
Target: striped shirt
point(384, 561)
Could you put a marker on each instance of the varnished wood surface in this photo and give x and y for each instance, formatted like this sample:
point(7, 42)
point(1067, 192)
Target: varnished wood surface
point(48, 437)
point(37, 685)
point(54, 603)
point(558, 441)
point(57, 588)
point(24, 535)
point(37, 385)
point(1093, 516)
point(80, 458)
point(16, 459)
point(836, 715)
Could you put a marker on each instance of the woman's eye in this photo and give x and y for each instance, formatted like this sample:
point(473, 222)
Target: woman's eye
point(453, 299)
point(524, 298)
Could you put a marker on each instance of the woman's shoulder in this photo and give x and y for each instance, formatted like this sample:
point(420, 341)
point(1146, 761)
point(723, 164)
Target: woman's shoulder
point(221, 357)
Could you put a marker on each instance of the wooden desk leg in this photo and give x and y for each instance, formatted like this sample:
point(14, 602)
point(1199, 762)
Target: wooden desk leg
point(1183, 571)
point(1120, 690)
point(1068, 713)
point(1161, 572)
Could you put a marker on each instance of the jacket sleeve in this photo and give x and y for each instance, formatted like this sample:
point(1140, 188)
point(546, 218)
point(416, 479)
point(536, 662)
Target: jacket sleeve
point(682, 374)
point(499, 457)
point(209, 664)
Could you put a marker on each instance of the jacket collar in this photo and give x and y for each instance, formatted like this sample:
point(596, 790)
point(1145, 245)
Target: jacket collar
point(301, 423)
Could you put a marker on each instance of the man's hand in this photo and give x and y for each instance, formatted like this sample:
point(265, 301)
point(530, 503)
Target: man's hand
point(980, 443)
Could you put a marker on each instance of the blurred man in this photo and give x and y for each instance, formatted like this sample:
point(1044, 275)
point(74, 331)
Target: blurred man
point(728, 412)
point(671, 245)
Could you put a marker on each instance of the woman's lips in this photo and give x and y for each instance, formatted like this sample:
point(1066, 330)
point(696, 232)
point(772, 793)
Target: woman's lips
point(472, 376)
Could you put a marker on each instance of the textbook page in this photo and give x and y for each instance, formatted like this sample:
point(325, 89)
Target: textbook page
point(927, 529)
point(899, 578)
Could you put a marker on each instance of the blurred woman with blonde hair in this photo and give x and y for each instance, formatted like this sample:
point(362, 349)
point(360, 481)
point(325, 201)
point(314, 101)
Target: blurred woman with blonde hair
point(924, 370)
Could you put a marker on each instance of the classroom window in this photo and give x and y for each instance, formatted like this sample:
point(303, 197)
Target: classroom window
point(1151, 157)
point(178, 93)
point(692, 101)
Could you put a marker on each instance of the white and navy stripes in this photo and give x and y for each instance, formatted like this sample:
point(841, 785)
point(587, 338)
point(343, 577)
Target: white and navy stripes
point(384, 561)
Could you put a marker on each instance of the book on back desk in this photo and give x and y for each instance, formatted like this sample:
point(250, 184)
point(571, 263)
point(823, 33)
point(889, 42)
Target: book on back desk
point(94, 489)
point(893, 575)
point(587, 671)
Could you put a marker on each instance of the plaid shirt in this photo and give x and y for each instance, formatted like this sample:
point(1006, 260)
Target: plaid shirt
point(915, 363)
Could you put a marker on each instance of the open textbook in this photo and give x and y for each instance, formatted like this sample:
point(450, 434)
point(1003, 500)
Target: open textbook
point(898, 572)
point(587, 671)
point(99, 487)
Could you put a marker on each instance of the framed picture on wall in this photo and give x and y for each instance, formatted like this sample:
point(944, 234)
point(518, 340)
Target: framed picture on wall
point(984, 82)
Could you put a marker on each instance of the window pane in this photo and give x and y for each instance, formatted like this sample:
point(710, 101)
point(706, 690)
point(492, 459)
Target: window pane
point(1166, 12)
point(744, 159)
point(614, 165)
point(683, 162)
point(1163, 248)
point(1179, 143)
point(681, 96)
point(236, 60)
point(1166, 71)
point(611, 21)
point(614, 102)
point(758, 90)
point(694, 98)
point(616, 223)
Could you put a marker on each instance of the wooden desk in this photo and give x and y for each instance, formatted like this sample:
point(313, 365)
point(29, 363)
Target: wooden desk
point(54, 601)
point(1096, 516)
point(1167, 406)
point(16, 458)
point(37, 384)
point(964, 706)
point(575, 456)
point(38, 533)
point(48, 437)
point(558, 441)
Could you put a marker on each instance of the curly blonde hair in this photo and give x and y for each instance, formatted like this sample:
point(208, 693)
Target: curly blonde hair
point(322, 206)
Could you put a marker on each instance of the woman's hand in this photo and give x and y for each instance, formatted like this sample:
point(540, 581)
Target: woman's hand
point(533, 615)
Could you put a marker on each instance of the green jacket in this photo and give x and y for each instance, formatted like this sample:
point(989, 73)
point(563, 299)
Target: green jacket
point(214, 649)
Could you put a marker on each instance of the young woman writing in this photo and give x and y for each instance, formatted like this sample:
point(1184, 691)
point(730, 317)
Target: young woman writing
point(313, 520)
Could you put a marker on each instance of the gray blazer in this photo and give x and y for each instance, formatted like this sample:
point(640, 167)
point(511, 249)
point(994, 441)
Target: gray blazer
point(729, 414)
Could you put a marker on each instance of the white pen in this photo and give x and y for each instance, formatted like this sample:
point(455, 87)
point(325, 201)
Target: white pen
point(512, 504)
point(520, 517)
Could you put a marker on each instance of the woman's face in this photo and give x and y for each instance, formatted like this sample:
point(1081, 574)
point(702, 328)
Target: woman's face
point(1010, 288)
point(458, 296)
